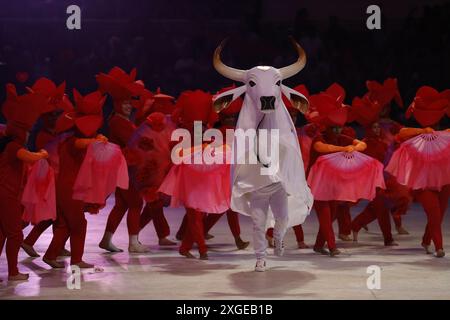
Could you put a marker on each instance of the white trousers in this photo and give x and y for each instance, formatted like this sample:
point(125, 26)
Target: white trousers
point(274, 196)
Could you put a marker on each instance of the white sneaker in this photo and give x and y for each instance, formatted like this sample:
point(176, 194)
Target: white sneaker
point(260, 265)
point(279, 248)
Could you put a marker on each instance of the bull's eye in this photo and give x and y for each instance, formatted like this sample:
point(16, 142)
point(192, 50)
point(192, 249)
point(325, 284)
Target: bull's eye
point(278, 83)
point(252, 83)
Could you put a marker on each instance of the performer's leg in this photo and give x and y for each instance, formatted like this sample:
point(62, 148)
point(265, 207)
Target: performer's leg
point(147, 215)
point(194, 233)
point(11, 225)
point(384, 220)
point(32, 237)
point(182, 230)
point(300, 237)
point(326, 233)
point(161, 225)
point(430, 202)
point(279, 206)
point(211, 220)
point(233, 223)
point(259, 207)
point(135, 204)
point(2, 239)
point(77, 225)
point(344, 221)
point(114, 218)
point(362, 219)
point(60, 236)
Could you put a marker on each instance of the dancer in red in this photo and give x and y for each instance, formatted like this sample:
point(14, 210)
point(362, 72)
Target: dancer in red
point(71, 222)
point(367, 113)
point(334, 159)
point(199, 187)
point(228, 118)
point(153, 211)
point(384, 94)
point(421, 162)
point(45, 136)
point(21, 112)
point(125, 91)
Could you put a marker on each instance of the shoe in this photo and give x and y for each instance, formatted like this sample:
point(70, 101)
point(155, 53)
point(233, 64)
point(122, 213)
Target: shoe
point(53, 263)
point(83, 265)
point(427, 248)
point(166, 242)
point(391, 243)
point(260, 265)
point(345, 237)
point(187, 254)
point(241, 244)
point(19, 277)
point(334, 252)
point(30, 250)
point(322, 251)
point(440, 253)
point(402, 231)
point(279, 248)
point(204, 256)
point(302, 245)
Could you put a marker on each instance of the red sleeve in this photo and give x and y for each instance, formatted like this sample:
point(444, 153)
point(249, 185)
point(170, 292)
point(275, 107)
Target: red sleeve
point(120, 131)
point(11, 151)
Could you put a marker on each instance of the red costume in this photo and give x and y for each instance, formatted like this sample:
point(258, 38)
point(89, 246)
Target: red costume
point(21, 113)
point(421, 162)
point(71, 222)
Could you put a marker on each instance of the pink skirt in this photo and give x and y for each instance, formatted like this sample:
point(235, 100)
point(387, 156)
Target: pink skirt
point(423, 162)
point(39, 198)
point(343, 176)
point(203, 187)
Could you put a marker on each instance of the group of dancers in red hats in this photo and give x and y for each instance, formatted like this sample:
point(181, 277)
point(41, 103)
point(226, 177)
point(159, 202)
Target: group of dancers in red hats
point(74, 169)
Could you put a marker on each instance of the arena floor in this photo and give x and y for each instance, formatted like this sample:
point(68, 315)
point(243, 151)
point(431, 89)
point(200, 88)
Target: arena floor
point(406, 271)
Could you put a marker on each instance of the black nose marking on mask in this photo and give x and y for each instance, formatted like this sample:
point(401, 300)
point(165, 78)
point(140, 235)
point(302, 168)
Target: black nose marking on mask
point(267, 103)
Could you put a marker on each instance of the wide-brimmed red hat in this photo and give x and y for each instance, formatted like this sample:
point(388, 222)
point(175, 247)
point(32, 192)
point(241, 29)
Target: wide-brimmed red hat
point(194, 106)
point(23, 111)
point(121, 86)
point(365, 111)
point(55, 93)
point(303, 90)
point(88, 114)
point(328, 108)
point(429, 106)
point(163, 103)
point(384, 93)
point(235, 106)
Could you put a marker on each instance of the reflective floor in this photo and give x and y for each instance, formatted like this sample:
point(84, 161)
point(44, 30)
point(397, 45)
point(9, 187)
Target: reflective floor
point(406, 271)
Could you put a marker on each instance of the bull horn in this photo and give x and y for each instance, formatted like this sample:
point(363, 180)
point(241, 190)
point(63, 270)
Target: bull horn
point(296, 67)
point(226, 71)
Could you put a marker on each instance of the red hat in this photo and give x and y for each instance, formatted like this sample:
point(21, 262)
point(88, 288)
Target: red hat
point(300, 88)
point(23, 111)
point(194, 106)
point(163, 103)
point(235, 106)
point(384, 93)
point(88, 115)
point(120, 85)
point(328, 107)
point(365, 111)
point(429, 106)
point(49, 89)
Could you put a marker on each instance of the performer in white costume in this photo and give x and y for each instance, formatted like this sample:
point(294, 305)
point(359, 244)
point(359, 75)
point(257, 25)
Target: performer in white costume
point(273, 191)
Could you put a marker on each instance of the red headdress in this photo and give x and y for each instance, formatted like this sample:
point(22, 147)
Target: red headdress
point(163, 103)
point(235, 106)
point(429, 106)
point(88, 114)
point(365, 111)
point(384, 93)
point(46, 87)
point(121, 86)
point(194, 106)
point(328, 107)
point(21, 112)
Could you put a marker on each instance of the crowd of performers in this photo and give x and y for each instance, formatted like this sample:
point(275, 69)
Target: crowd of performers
point(74, 169)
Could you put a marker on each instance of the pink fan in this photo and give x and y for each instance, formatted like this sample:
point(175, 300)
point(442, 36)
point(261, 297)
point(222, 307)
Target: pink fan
point(104, 168)
point(39, 199)
point(423, 161)
point(345, 176)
